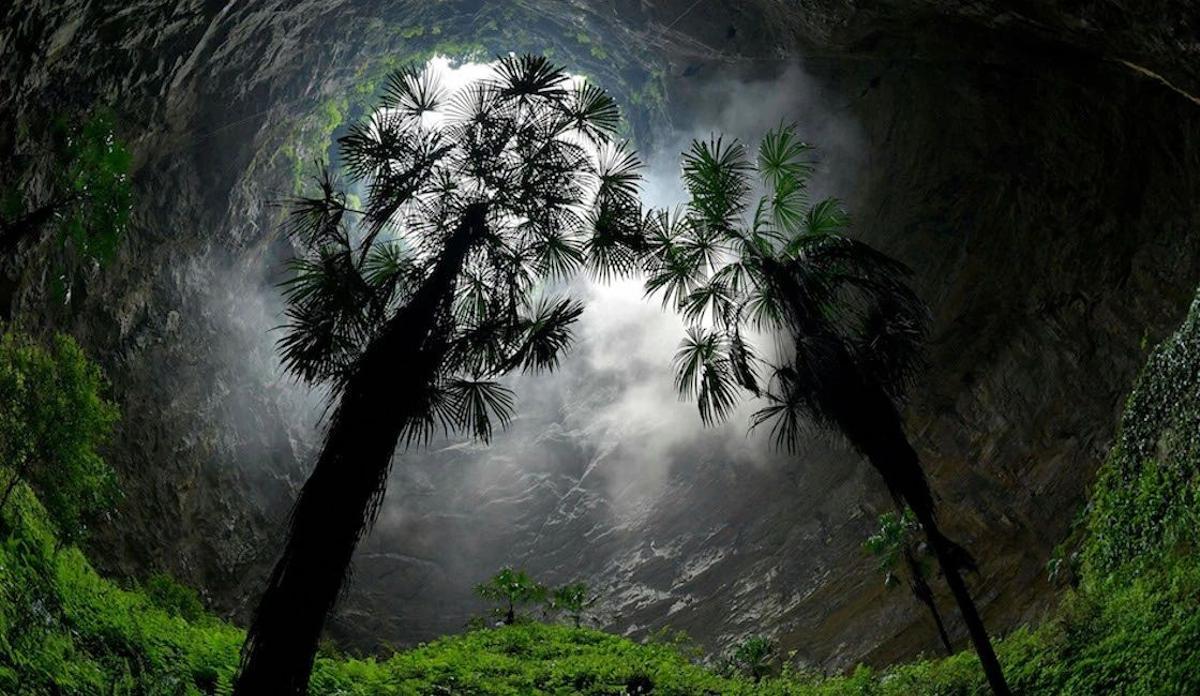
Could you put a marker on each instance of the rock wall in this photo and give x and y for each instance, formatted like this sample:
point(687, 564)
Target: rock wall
point(1038, 167)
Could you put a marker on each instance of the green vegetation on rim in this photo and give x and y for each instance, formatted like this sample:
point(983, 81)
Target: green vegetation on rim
point(1131, 627)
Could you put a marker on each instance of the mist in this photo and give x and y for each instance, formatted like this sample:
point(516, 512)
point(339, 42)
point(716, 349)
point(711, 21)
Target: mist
point(599, 464)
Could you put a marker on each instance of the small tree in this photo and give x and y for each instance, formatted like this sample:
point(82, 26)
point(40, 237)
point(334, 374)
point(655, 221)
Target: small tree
point(512, 589)
point(754, 658)
point(571, 600)
point(88, 201)
point(901, 554)
point(52, 419)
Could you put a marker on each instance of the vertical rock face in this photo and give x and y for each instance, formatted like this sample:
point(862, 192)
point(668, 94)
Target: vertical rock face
point(1039, 170)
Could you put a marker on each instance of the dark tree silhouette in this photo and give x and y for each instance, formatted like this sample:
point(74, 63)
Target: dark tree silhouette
point(901, 556)
point(412, 308)
point(846, 327)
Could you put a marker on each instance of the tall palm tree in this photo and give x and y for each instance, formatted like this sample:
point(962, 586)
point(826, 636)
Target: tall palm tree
point(899, 556)
point(413, 307)
point(846, 327)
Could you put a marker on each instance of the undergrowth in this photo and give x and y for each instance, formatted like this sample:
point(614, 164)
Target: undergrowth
point(1131, 627)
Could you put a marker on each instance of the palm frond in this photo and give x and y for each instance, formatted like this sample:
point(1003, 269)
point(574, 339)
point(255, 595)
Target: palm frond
point(546, 334)
point(716, 175)
point(619, 172)
point(742, 359)
point(616, 241)
point(592, 112)
point(475, 403)
point(390, 266)
point(527, 75)
point(788, 411)
point(712, 300)
point(783, 159)
point(702, 372)
point(826, 217)
point(319, 220)
point(413, 91)
point(555, 255)
point(372, 145)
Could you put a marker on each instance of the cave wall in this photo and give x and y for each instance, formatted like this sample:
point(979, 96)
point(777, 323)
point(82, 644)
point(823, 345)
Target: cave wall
point(1038, 166)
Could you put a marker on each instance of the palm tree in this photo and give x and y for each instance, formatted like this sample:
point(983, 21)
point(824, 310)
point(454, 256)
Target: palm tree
point(572, 600)
point(899, 555)
point(754, 657)
point(510, 589)
point(412, 308)
point(845, 325)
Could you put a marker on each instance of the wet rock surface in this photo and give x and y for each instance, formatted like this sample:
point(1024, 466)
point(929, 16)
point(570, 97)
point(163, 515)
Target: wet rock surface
point(1039, 169)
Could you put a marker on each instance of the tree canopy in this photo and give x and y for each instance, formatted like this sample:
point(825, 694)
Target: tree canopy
point(53, 418)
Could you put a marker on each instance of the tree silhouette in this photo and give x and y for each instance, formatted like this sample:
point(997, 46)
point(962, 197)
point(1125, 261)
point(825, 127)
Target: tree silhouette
point(901, 555)
point(511, 588)
point(412, 308)
point(844, 327)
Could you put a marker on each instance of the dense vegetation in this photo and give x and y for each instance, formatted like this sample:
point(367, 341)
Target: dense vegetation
point(1131, 625)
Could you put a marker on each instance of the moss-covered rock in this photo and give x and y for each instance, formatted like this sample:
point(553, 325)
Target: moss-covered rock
point(1146, 502)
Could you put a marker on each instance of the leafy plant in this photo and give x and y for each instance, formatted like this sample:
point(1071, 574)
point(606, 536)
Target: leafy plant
point(572, 600)
point(512, 589)
point(903, 558)
point(53, 418)
point(172, 597)
point(414, 307)
point(756, 658)
point(89, 203)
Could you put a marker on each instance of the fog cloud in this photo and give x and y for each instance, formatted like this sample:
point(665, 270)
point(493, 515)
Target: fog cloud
point(594, 444)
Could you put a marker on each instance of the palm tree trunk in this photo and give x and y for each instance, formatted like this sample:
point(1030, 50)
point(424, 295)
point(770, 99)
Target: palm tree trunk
point(943, 550)
point(924, 595)
point(866, 415)
point(338, 503)
point(941, 629)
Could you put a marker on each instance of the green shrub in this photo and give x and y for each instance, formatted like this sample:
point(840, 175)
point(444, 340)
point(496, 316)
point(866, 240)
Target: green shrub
point(52, 420)
point(175, 599)
point(1131, 627)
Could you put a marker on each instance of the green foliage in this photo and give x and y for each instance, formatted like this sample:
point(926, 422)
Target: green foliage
point(95, 178)
point(1131, 627)
point(571, 600)
point(52, 420)
point(89, 201)
point(894, 537)
point(175, 599)
point(512, 589)
point(65, 630)
point(522, 660)
point(1146, 502)
point(756, 658)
